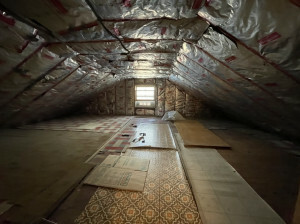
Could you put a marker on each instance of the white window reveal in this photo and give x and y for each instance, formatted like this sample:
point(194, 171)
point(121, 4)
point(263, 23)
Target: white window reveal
point(145, 96)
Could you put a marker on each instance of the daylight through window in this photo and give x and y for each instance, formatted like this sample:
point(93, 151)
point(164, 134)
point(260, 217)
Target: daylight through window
point(145, 96)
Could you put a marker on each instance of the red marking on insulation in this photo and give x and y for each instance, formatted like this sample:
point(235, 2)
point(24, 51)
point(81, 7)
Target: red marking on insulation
point(207, 2)
point(230, 80)
point(197, 4)
point(117, 31)
point(20, 50)
point(163, 30)
point(200, 60)
point(127, 3)
point(8, 20)
point(59, 6)
point(230, 59)
point(267, 39)
point(78, 28)
point(48, 56)
point(271, 84)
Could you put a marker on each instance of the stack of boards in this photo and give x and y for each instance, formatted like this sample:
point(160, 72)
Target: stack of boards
point(195, 134)
point(121, 172)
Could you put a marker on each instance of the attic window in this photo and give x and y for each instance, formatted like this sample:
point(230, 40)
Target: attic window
point(145, 96)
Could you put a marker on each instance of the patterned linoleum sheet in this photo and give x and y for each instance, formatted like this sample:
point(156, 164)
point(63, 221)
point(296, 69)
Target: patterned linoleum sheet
point(166, 198)
point(103, 124)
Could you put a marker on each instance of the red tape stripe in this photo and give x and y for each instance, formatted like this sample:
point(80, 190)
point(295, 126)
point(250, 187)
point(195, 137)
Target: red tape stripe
point(197, 4)
point(269, 38)
point(8, 20)
point(59, 6)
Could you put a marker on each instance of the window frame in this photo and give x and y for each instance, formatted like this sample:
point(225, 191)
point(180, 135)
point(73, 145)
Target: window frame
point(135, 96)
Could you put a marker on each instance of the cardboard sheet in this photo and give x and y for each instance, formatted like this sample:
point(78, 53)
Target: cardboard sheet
point(195, 134)
point(117, 178)
point(126, 162)
point(153, 136)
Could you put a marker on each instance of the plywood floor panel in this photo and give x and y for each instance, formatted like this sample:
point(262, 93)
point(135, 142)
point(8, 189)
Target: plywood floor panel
point(194, 133)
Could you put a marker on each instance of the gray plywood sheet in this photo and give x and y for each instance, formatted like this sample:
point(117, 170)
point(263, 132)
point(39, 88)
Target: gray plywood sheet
point(153, 136)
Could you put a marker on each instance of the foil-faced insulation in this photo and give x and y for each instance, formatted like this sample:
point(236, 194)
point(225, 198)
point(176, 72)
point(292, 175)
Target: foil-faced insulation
point(182, 29)
point(26, 74)
point(144, 9)
point(271, 28)
point(54, 77)
point(252, 67)
point(58, 16)
point(233, 100)
point(195, 57)
point(17, 42)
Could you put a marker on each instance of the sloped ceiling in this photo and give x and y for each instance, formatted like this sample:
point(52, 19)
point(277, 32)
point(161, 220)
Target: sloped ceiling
point(241, 56)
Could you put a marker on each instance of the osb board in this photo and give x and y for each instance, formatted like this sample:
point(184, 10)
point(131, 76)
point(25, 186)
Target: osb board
point(111, 100)
point(156, 136)
point(160, 108)
point(140, 111)
point(118, 178)
point(180, 101)
point(149, 112)
point(129, 97)
point(195, 134)
point(120, 98)
point(170, 96)
point(191, 106)
point(126, 162)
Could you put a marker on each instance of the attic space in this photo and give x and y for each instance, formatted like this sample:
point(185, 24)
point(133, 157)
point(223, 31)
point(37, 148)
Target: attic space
point(146, 111)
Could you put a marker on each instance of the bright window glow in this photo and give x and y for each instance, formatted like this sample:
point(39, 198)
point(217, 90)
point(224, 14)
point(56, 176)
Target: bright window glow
point(145, 92)
point(145, 96)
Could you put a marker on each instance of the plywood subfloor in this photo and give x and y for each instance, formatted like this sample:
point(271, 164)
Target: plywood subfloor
point(38, 167)
point(166, 198)
point(195, 134)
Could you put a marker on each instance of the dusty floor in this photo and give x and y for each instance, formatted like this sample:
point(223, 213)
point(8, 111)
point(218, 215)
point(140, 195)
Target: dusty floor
point(267, 165)
point(272, 171)
point(38, 167)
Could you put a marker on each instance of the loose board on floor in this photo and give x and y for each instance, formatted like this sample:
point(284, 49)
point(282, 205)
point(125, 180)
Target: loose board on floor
point(195, 134)
point(117, 178)
point(153, 136)
point(126, 162)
